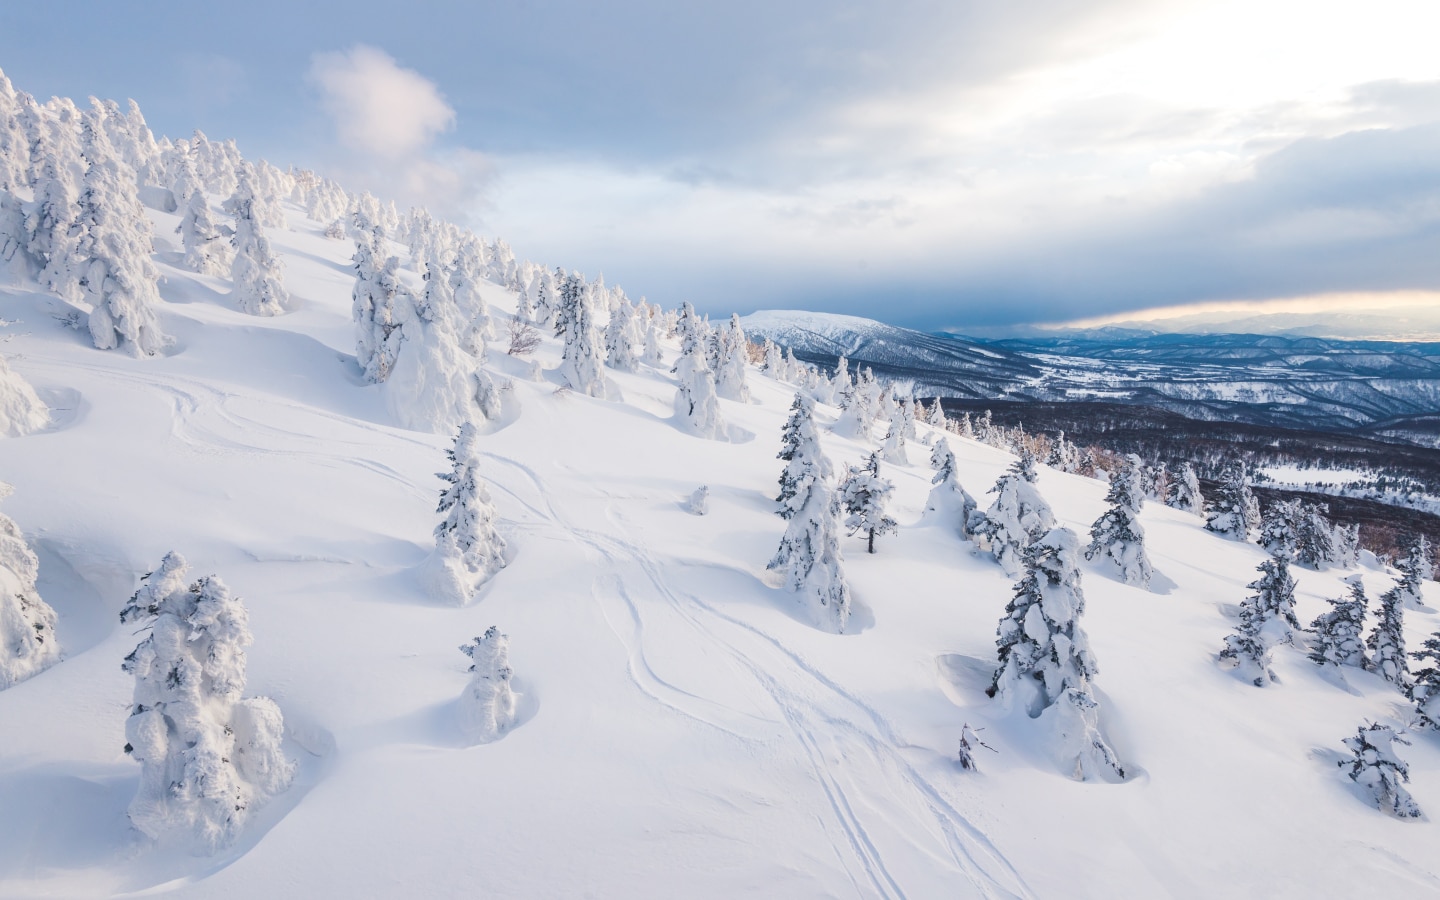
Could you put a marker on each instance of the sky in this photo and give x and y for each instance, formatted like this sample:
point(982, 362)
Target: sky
point(940, 164)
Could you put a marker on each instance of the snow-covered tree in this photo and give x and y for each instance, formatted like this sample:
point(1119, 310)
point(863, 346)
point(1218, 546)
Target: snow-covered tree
point(1346, 542)
point(258, 287)
point(581, 358)
point(1234, 512)
point(112, 257)
point(733, 357)
point(863, 498)
point(1117, 535)
point(208, 757)
point(1340, 630)
point(1018, 516)
point(773, 364)
point(653, 354)
point(1425, 687)
point(487, 707)
point(935, 418)
point(1377, 767)
point(1278, 527)
point(28, 644)
point(809, 552)
point(860, 405)
point(1386, 642)
point(969, 742)
point(894, 444)
point(699, 502)
point(21, 409)
point(948, 498)
point(1416, 568)
point(379, 309)
point(1267, 620)
point(468, 548)
point(1045, 659)
point(1314, 537)
point(620, 339)
point(14, 146)
point(206, 250)
point(50, 241)
point(697, 406)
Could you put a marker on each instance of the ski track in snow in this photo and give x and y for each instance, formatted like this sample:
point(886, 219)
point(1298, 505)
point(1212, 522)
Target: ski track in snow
point(870, 754)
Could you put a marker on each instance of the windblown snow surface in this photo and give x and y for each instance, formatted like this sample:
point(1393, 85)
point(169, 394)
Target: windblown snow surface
point(683, 731)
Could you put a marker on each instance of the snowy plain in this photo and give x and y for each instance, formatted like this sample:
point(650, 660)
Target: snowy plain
point(683, 729)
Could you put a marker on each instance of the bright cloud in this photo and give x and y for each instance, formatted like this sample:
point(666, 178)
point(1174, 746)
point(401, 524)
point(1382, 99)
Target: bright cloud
point(379, 107)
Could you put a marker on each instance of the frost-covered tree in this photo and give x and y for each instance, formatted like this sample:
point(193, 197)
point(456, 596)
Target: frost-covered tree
point(1045, 658)
point(1117, 535)
point(14, 146)
point(206, 250)
point(697, 406)
point(1377, 767)
point(1386, 642)
point(1018, 516)
point(379, 308)
point(969, 742)
point(863, 498)
point(1267, 620)
point(21, 409)
point(50, 240)
point(1314, 537)
point(1277, 528)
point(948, 498)
point(894, 444)
point(112, 257)
point(809, 552)
point(653, 354)
point(936, 418)
point(699, 502)
point(734, 355)
point(468, 548)
point(1346, 541)
point(487, 707)
point(28, 644)
point(258, 287)
point(1416, 567)
point(581, 358)
point(620, 339)
point(1184, 491)
point(1340, 630)
point(1234, 512)
point(860, 405)
point(1424, 690)
point(208, 758)
point(773, 364)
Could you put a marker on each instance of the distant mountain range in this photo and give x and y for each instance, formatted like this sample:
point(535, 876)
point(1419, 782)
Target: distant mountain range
point(1385, 390)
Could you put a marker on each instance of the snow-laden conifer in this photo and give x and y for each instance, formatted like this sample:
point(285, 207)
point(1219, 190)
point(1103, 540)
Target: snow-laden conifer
point(1267, 620)
point(969, 743)
point(697, 406)
point(653, 354)
point(1386, 642)
point(620, 339)
point(773, 360)
point(733, 357)
point(864, 496)
point(487, 707)
point(206, 249)
point(948, 500)
point(468, 548)
point(1424, 690)
point(581, 357)
point(1233, 512)
point(860, 405)
point(1315, 545)
point(21, 409)
point(1416, 568)
point(1377, 767)
point(1017, 516)
point(28, 644)
point(50, 238)
point(1117, 535)
point(112, 257)
point(699, 502)
point(809, 552)
point(1046, 665)
point(379, 304)
point(258, 286)
point(1278, 527)
point(208, 758)
point(1340, 630)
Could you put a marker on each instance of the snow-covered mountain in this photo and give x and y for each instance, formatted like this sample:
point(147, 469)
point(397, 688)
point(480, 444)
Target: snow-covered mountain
point(1266, 380)
point(681, 727)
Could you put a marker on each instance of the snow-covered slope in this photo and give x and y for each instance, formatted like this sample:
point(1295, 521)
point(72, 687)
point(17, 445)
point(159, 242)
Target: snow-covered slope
point(682, 728)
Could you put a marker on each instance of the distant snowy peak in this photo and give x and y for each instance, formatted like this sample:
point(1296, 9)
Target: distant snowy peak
point(938, 364)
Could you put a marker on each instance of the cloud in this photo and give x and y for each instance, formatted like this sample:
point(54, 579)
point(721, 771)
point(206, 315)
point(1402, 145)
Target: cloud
point(378, 107)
